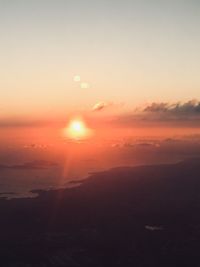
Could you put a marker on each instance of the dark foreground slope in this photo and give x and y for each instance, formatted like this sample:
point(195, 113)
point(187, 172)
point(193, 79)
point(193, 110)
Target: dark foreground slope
point(142, 216)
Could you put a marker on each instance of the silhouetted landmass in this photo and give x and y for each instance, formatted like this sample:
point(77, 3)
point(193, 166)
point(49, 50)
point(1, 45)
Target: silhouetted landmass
point(132, 216)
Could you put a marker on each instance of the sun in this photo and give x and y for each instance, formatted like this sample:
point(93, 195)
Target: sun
point(77, 129)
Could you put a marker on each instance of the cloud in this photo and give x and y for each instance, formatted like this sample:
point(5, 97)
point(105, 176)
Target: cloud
point(173, 114)
point(133, 144)
point(179, 112)
point(156, 107)
point(153, 228)
point(36, 146)
point(191, 107)
point(149, 144)
point(100, 106)
point(36, 164)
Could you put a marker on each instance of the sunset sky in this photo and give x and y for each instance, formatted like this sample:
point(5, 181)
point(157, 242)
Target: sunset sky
point(129, 52)
point(100, 133)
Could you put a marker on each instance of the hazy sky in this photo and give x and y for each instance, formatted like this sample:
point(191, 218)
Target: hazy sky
point(129, 51)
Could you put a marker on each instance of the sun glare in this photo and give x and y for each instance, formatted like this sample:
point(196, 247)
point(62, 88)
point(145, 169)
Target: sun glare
point(77, 129)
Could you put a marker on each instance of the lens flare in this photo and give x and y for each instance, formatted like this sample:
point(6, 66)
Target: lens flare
point(77, 78)
point(84, 85)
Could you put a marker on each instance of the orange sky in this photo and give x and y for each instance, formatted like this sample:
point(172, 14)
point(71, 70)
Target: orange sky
point(129, 52)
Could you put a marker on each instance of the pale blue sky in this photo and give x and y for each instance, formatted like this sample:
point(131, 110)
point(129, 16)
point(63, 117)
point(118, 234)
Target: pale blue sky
point(129, 51)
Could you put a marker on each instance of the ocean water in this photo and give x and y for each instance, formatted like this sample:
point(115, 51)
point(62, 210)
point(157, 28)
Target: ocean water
point(42, 158)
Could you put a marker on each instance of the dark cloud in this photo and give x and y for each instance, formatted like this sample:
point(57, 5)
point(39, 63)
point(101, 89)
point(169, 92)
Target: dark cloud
point(191, 107)
point(135, 145)
point(36, 164)
point(173, 114)
point(153, 228)
point(156, 107)
point(148, 144)
point(171, 140)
